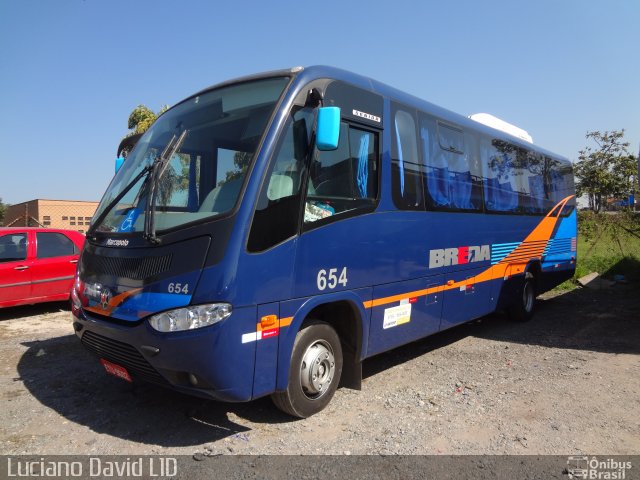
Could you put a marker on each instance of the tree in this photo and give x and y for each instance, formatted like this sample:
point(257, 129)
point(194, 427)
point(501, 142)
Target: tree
point(607, 171)
point(241, 161)
point(3, 209)
point(140, 119)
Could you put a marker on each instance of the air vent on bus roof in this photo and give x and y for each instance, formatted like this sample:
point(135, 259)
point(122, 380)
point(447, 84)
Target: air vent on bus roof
point(494, 122)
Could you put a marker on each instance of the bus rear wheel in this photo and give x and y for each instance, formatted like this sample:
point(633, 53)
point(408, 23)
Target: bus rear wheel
point(523, 308)
point(314, 374)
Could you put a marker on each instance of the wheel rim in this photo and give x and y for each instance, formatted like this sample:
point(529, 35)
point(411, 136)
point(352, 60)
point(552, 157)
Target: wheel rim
point(317, 369)
point(527, 296)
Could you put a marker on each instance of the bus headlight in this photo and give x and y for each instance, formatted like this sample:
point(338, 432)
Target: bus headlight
point(190, 318)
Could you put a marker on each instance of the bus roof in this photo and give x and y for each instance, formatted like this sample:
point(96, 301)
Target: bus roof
point(499, 124)
point(305, 75)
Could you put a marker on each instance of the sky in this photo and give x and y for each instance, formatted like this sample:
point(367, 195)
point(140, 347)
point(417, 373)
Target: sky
point(71, 71)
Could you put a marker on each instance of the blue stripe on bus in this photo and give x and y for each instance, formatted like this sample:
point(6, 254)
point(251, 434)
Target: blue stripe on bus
point(145, 303)
point(501, 250)
point(557, 246)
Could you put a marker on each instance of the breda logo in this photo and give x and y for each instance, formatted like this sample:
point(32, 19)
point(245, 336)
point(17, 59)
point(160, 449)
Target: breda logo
point(445, 257)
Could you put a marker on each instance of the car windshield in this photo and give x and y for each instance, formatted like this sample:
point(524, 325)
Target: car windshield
point(204, 176)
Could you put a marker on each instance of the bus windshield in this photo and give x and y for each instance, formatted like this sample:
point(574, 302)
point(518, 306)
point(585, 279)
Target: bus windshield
point(204, 176)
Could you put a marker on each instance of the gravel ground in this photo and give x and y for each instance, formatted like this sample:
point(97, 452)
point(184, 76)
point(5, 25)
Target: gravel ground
point(566, 383)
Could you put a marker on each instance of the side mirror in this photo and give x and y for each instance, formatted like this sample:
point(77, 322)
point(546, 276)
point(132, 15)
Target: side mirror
point(328, 132)
point(119, 162)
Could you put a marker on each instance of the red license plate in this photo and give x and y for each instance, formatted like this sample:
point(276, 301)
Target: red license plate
point(116, 370)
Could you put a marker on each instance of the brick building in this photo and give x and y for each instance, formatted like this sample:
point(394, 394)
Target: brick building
point(69, 214)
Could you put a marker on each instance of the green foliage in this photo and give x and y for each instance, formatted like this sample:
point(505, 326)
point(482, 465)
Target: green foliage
point(241, 161)
point(613, 227)
point(606, 171)
point(141, 118)
point(608, 244)
point(175, 178)
point(3, 210)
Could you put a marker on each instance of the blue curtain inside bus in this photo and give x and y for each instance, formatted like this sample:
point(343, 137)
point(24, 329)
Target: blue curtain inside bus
point(363, 167)
point(400, 159)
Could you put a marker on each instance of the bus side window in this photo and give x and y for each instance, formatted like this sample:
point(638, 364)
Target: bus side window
point(530, 172)
point(453, 178)
point(562, 186)
point(533, 184)
point(407, 170)
point(498, 172)
point(343, 180)
point(437, 167)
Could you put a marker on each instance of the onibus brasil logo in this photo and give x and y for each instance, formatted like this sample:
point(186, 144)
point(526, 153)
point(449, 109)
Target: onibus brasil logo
point(583, 467)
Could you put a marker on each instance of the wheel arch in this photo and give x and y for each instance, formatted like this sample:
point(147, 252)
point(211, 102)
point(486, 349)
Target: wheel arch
point(345, 312)
point(509, 288)
point(534, 267)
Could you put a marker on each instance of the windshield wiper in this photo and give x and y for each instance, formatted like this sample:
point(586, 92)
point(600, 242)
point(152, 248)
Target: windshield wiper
point(118, 197)
point(158, 168)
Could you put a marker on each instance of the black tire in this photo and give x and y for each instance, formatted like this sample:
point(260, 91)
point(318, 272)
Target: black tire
point(523, 309)
point(314, 374)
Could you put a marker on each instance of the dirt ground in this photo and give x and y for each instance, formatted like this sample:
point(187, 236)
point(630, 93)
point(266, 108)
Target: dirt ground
point(566, 383)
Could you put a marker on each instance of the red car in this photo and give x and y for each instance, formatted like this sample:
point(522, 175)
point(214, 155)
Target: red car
point(37, 264)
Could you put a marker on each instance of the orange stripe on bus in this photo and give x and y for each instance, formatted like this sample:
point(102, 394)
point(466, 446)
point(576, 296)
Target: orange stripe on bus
point(114, 302)
point(284, 322)
point(526, 251)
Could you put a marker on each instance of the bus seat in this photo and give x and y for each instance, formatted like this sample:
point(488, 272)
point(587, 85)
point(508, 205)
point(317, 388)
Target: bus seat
point(490, 186)
point(461, 190)
point(505, 198)
point(438, 185)
point(280, 186)
point(222, 198)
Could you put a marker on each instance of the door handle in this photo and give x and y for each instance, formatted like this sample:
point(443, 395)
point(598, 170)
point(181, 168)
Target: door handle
point(73, 261)
point(21, 267)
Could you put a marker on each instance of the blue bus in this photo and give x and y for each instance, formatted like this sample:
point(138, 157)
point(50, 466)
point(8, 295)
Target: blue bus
point(268, 234)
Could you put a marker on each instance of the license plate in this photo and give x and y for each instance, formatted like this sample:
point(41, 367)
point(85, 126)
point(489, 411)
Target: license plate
point(116, 370)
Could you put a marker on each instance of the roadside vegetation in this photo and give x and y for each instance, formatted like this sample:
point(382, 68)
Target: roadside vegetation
point(608, 243)
point(3, 209)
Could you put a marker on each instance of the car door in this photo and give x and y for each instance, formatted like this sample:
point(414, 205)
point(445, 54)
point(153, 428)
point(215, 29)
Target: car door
point(15, 274)
point(54, 266)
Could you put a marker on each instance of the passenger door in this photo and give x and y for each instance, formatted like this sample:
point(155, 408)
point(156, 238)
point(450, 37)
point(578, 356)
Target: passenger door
point(335, 250)
point(272, 239)
point(15, 274)
point(54, 266)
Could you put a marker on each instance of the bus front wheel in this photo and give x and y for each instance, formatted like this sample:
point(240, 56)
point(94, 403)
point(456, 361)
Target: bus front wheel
point(314, 374)
point(523, 308)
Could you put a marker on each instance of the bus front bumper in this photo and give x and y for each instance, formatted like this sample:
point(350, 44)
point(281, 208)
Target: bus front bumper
point(210, 362)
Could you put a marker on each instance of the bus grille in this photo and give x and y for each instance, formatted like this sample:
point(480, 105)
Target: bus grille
point(122, 354)
point(137, 268)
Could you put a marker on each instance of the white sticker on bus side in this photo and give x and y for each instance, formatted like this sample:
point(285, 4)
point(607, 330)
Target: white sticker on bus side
point(395, 316)
point(250, 337)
